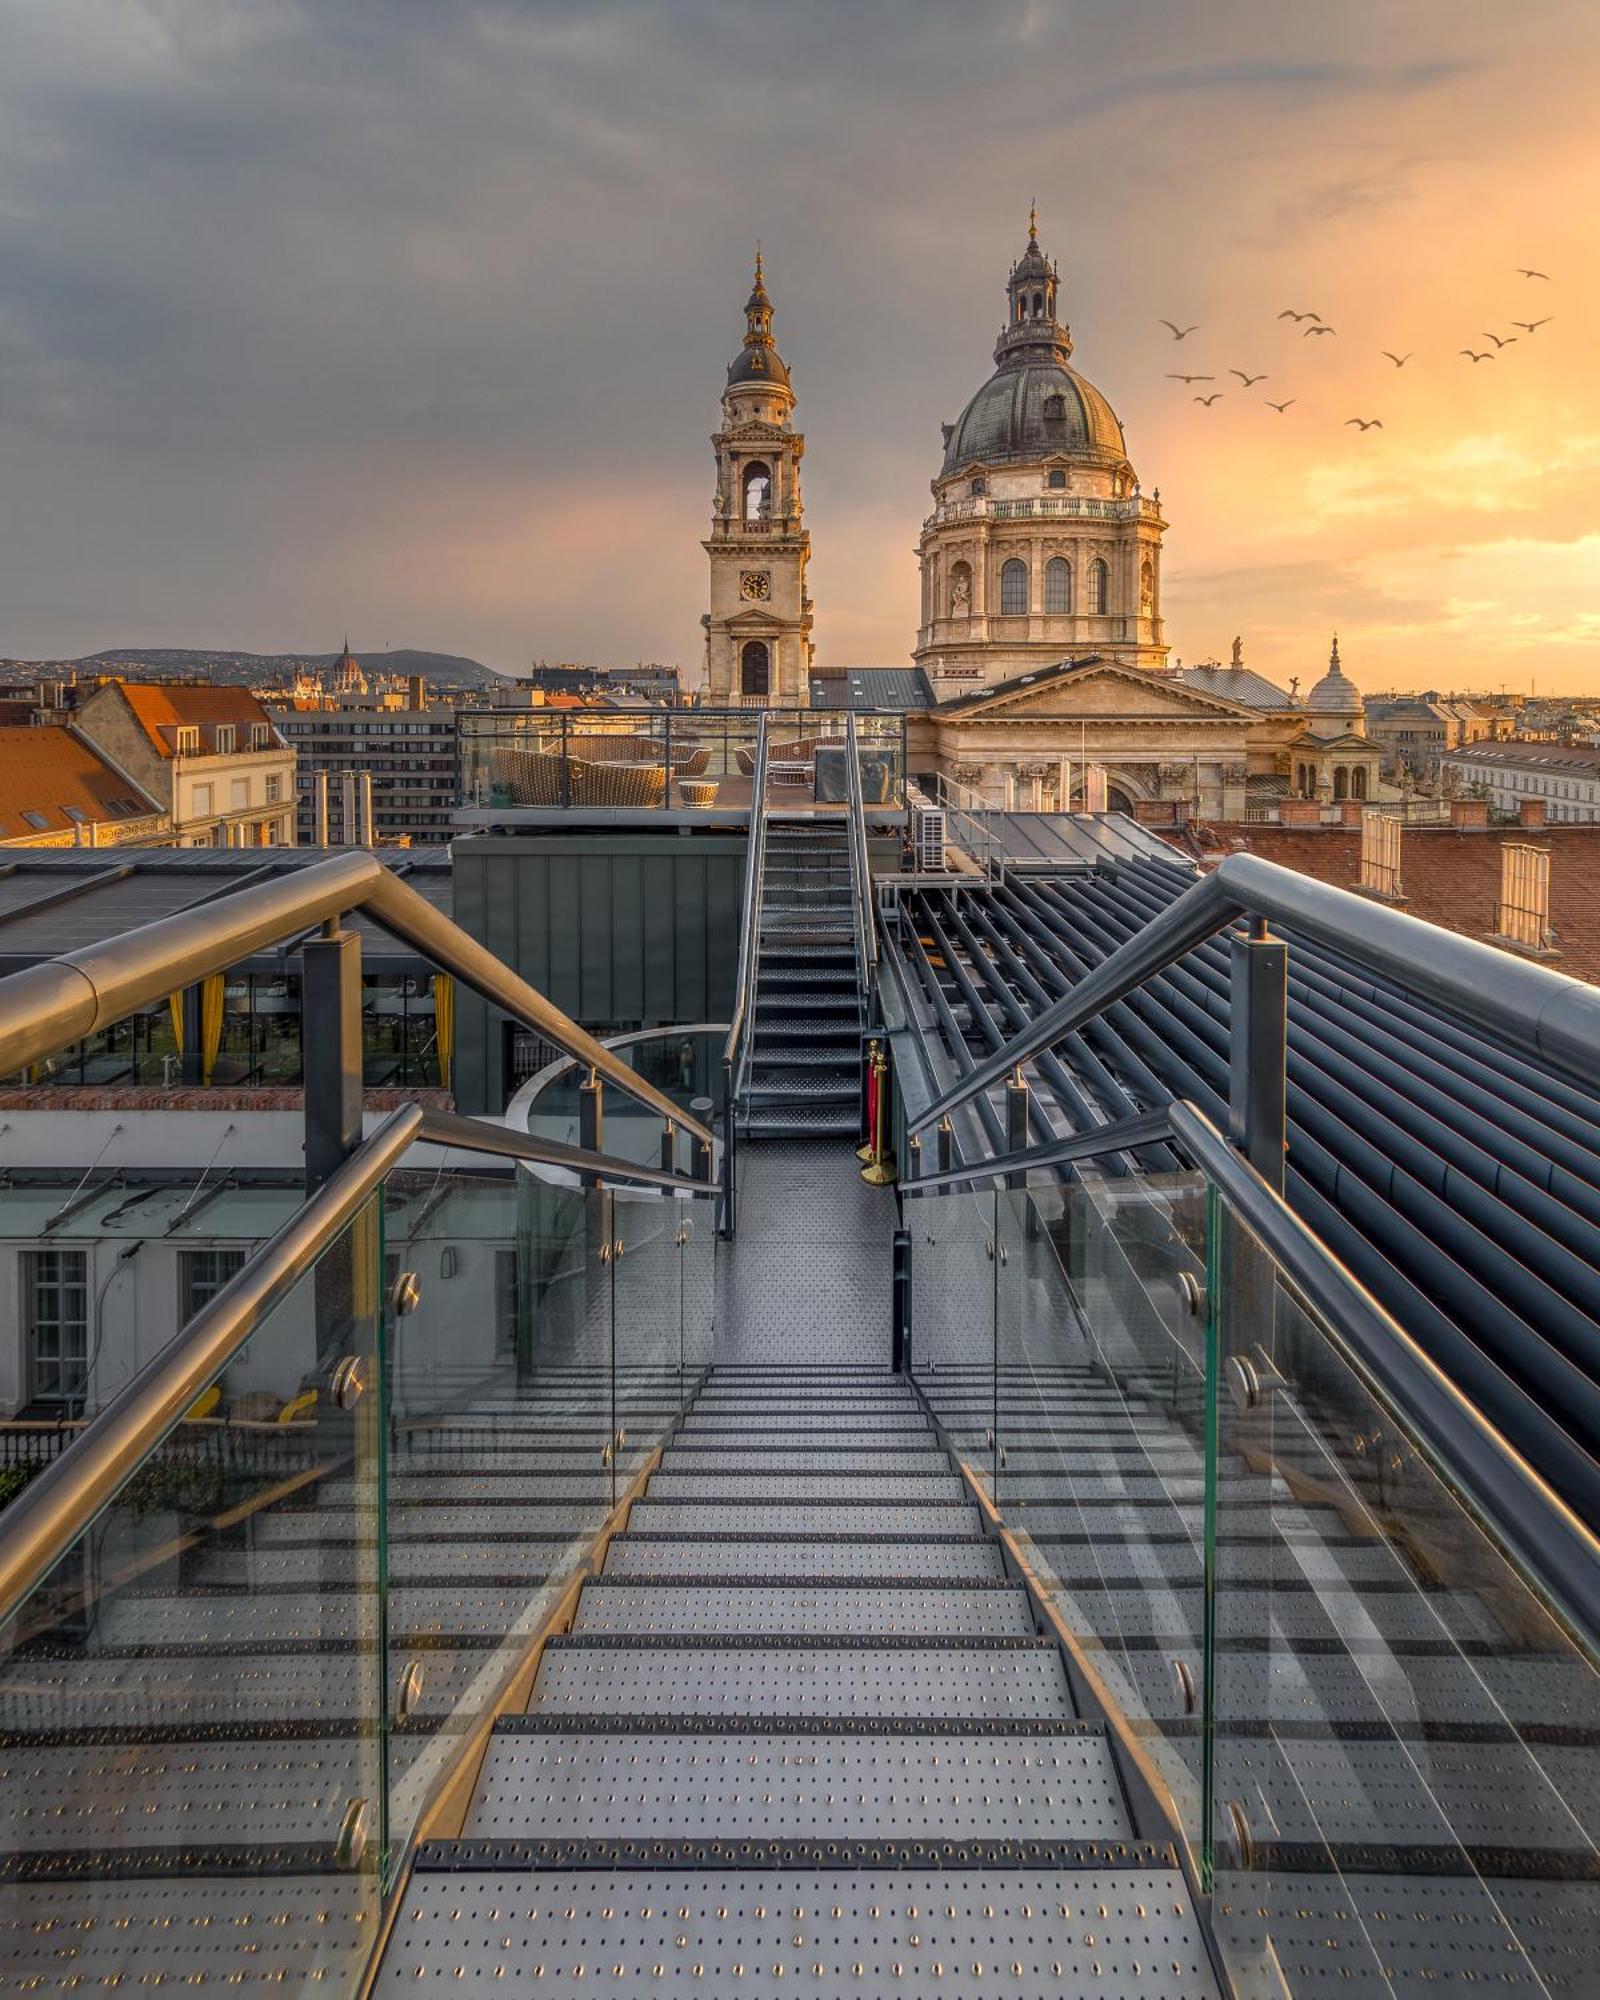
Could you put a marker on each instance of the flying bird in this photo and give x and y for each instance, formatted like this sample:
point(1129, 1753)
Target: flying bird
point(1281, 407)
point(1467, 351)
point(1399, 360)
point(1214, 397)
point(1290, 313)
point(1246, 379)
point(1533, 325)
point(1509, 341)
point(1180, 332)
point(1191, 378)
point(1318, 329)
point(1524, 272)
point(1364, 423)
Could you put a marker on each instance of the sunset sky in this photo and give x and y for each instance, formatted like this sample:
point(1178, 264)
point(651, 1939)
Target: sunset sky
point(412, 318)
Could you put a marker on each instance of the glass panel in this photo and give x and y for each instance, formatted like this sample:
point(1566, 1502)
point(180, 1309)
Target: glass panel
point(697, 1294)
point(646, 1273)
point(953, 1317)
point(1102, 1449)
point(683, 1065)
point(499, 1421)
point(1407, 1747)
point(190, 1698)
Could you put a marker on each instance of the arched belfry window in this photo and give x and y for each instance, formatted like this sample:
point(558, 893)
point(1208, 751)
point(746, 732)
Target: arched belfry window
point(1358, 782)
point(1099, 588)
point(1341, 782)
point(755, 668)
point(1014, 589)
point(757, 492)
point(1058, 586)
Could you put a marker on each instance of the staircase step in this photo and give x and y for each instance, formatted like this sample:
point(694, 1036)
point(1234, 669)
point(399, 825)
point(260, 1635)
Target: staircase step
point(799, 1121)
point(869, 1608)
point(626, 1675)
point(810, 1085)
point(968, 1559)
point(751, 1783)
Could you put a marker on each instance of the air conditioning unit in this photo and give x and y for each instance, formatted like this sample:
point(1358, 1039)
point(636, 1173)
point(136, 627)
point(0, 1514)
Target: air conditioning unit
point(927, 838)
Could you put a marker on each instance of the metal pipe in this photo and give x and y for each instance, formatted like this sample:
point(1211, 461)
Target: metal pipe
point(1546, 1537)
point(46, 1007)
point(479, 1135)
point(46, 1518)
point(1145, 1128)
point(753, 868)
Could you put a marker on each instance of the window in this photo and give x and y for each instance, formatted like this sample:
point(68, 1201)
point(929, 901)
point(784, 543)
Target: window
point(239, 792)
point(1058, 585)
point(978, 488)
point(1341, 782)
point(755, 669)
point(1057, 481)
point(56, 1302)
point(1099, 587)
point(202, 1274)
point(1358, 782)
point(260, 736)
point(36, 819)
point(225, 736)
point(274, 789)
point(1014, 589)
point(1055, 411)
point(76, 814)
point(757, 492)
point(187, 741)
point(200, 802)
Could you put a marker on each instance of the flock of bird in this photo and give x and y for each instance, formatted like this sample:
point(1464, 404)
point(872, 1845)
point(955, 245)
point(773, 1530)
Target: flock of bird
point(1320, 329)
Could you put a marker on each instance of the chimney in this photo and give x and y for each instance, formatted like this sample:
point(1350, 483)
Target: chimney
point(1522, 916)
point(1094, 788)
point(1380, 855)
point(367, 839)
point(1470, 813)
point(319, 809)
point(1530, 812)
point(419, 691)
point(347, 801)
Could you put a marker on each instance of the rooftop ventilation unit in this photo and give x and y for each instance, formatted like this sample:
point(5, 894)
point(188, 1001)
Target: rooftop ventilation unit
point(1380, 856)
point(927, 832)
point(1522, 916)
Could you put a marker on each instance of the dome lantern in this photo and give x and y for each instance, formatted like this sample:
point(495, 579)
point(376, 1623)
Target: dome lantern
point(758, 362)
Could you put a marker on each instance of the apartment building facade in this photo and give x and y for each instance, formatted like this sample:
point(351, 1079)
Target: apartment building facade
point(209, 757)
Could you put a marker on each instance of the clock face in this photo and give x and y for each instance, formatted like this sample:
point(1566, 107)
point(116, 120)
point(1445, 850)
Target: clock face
point(756, 584)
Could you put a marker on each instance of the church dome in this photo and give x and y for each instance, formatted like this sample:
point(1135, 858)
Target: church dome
point(758, 361)
point(1034, 404)
point(1335, 694)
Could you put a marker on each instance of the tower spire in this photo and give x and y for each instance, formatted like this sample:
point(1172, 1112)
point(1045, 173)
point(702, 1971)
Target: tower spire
point(1033, 222)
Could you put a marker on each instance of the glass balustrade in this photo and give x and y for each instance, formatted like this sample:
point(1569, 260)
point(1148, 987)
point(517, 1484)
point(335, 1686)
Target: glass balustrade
point(1380, 1746)
point(192, 1696)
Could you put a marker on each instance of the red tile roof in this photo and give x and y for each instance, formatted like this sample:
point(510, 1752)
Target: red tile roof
point(54, 775)
point(161, 708)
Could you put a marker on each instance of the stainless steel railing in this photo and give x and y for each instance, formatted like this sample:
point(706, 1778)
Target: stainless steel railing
point(44, 1521)
point(735, 1051)
point(860, 868)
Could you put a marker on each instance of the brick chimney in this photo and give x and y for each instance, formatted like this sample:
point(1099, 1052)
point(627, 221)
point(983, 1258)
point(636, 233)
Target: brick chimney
point(1530, 812)
point(1472, 813)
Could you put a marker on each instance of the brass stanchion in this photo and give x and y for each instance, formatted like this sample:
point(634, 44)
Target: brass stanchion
point(867, 1152)
point(879, 1170)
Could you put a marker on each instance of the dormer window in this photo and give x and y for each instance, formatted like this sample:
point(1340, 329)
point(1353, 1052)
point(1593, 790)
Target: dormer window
point(260, 736)
point(225, 739)
point(1055, 409)
point(187, 740)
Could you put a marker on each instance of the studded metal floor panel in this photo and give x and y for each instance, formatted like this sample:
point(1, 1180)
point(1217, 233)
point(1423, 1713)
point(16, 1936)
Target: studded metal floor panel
point(695, 1605)
point(1028, 1933)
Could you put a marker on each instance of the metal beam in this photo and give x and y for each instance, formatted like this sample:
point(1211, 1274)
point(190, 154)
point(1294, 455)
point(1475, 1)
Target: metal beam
point(478, 1135)
point(1146, 1128)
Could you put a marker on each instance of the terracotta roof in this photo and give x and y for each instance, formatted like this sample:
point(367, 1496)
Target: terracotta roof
point(56, 777)
point(161, 708)
point(1452, 878)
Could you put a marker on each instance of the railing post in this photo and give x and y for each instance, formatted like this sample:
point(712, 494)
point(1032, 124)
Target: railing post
point(666, 751)
point(947, 1145)
point(1016, 1121)
point(330, 1015)
point(1257, 1090)
point(669, 1146)
point(901, 1353)
point(591, 1119)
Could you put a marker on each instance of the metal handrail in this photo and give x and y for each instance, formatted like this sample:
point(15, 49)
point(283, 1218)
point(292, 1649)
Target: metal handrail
point(1549, 1542)
point(54, 1509)
point(1541, 1013)
point(755, 867)
point(860, 866)
point(48, 1007)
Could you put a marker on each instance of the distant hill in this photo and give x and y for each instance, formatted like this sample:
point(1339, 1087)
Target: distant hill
point(236, 668)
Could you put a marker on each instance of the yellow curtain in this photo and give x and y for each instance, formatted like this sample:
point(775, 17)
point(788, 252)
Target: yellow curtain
point(444, 1022)
point(211, 995)
point(175, 1008)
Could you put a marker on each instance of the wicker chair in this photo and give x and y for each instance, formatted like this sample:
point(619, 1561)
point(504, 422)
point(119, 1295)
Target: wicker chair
point(596, 747)
point(529, 777)
point(690, 763)
point(609, 784)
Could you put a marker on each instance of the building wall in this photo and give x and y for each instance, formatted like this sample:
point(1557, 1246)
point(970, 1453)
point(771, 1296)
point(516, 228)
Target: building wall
point(411, 754)
point(620, 931)
point(1571, 796)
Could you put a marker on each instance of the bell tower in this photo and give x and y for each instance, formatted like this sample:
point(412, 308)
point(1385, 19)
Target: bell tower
point(758, 630)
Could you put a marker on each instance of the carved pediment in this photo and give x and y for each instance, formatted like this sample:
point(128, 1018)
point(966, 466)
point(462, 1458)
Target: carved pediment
point(1099, 689)
point(755, 431)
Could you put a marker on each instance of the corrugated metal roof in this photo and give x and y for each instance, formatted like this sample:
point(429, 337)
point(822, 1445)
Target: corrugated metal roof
point(1031, 840)
point(1240, 684)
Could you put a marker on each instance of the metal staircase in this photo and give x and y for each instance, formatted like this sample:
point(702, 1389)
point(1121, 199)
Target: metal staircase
point(805, 1065)
point(808, 1732)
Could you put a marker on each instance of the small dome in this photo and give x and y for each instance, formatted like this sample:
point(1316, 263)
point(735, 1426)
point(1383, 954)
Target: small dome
point(760, 365)
point(1032, 405)
point(1335, 693)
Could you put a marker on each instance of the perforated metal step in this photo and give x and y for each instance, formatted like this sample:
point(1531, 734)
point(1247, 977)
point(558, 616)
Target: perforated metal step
point(621, 1604)
point(1020, 1679)
point(777, 1516)
point(1029, 1934)
point(815, 1559)
point(886, 1489)
point(760, 1785)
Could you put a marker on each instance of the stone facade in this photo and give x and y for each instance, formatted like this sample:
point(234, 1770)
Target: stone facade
point(758, 630)
point(1040, 543)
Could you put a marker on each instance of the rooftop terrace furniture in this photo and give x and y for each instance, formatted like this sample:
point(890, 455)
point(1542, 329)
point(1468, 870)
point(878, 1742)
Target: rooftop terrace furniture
point(607, 784)
point(531, 778)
